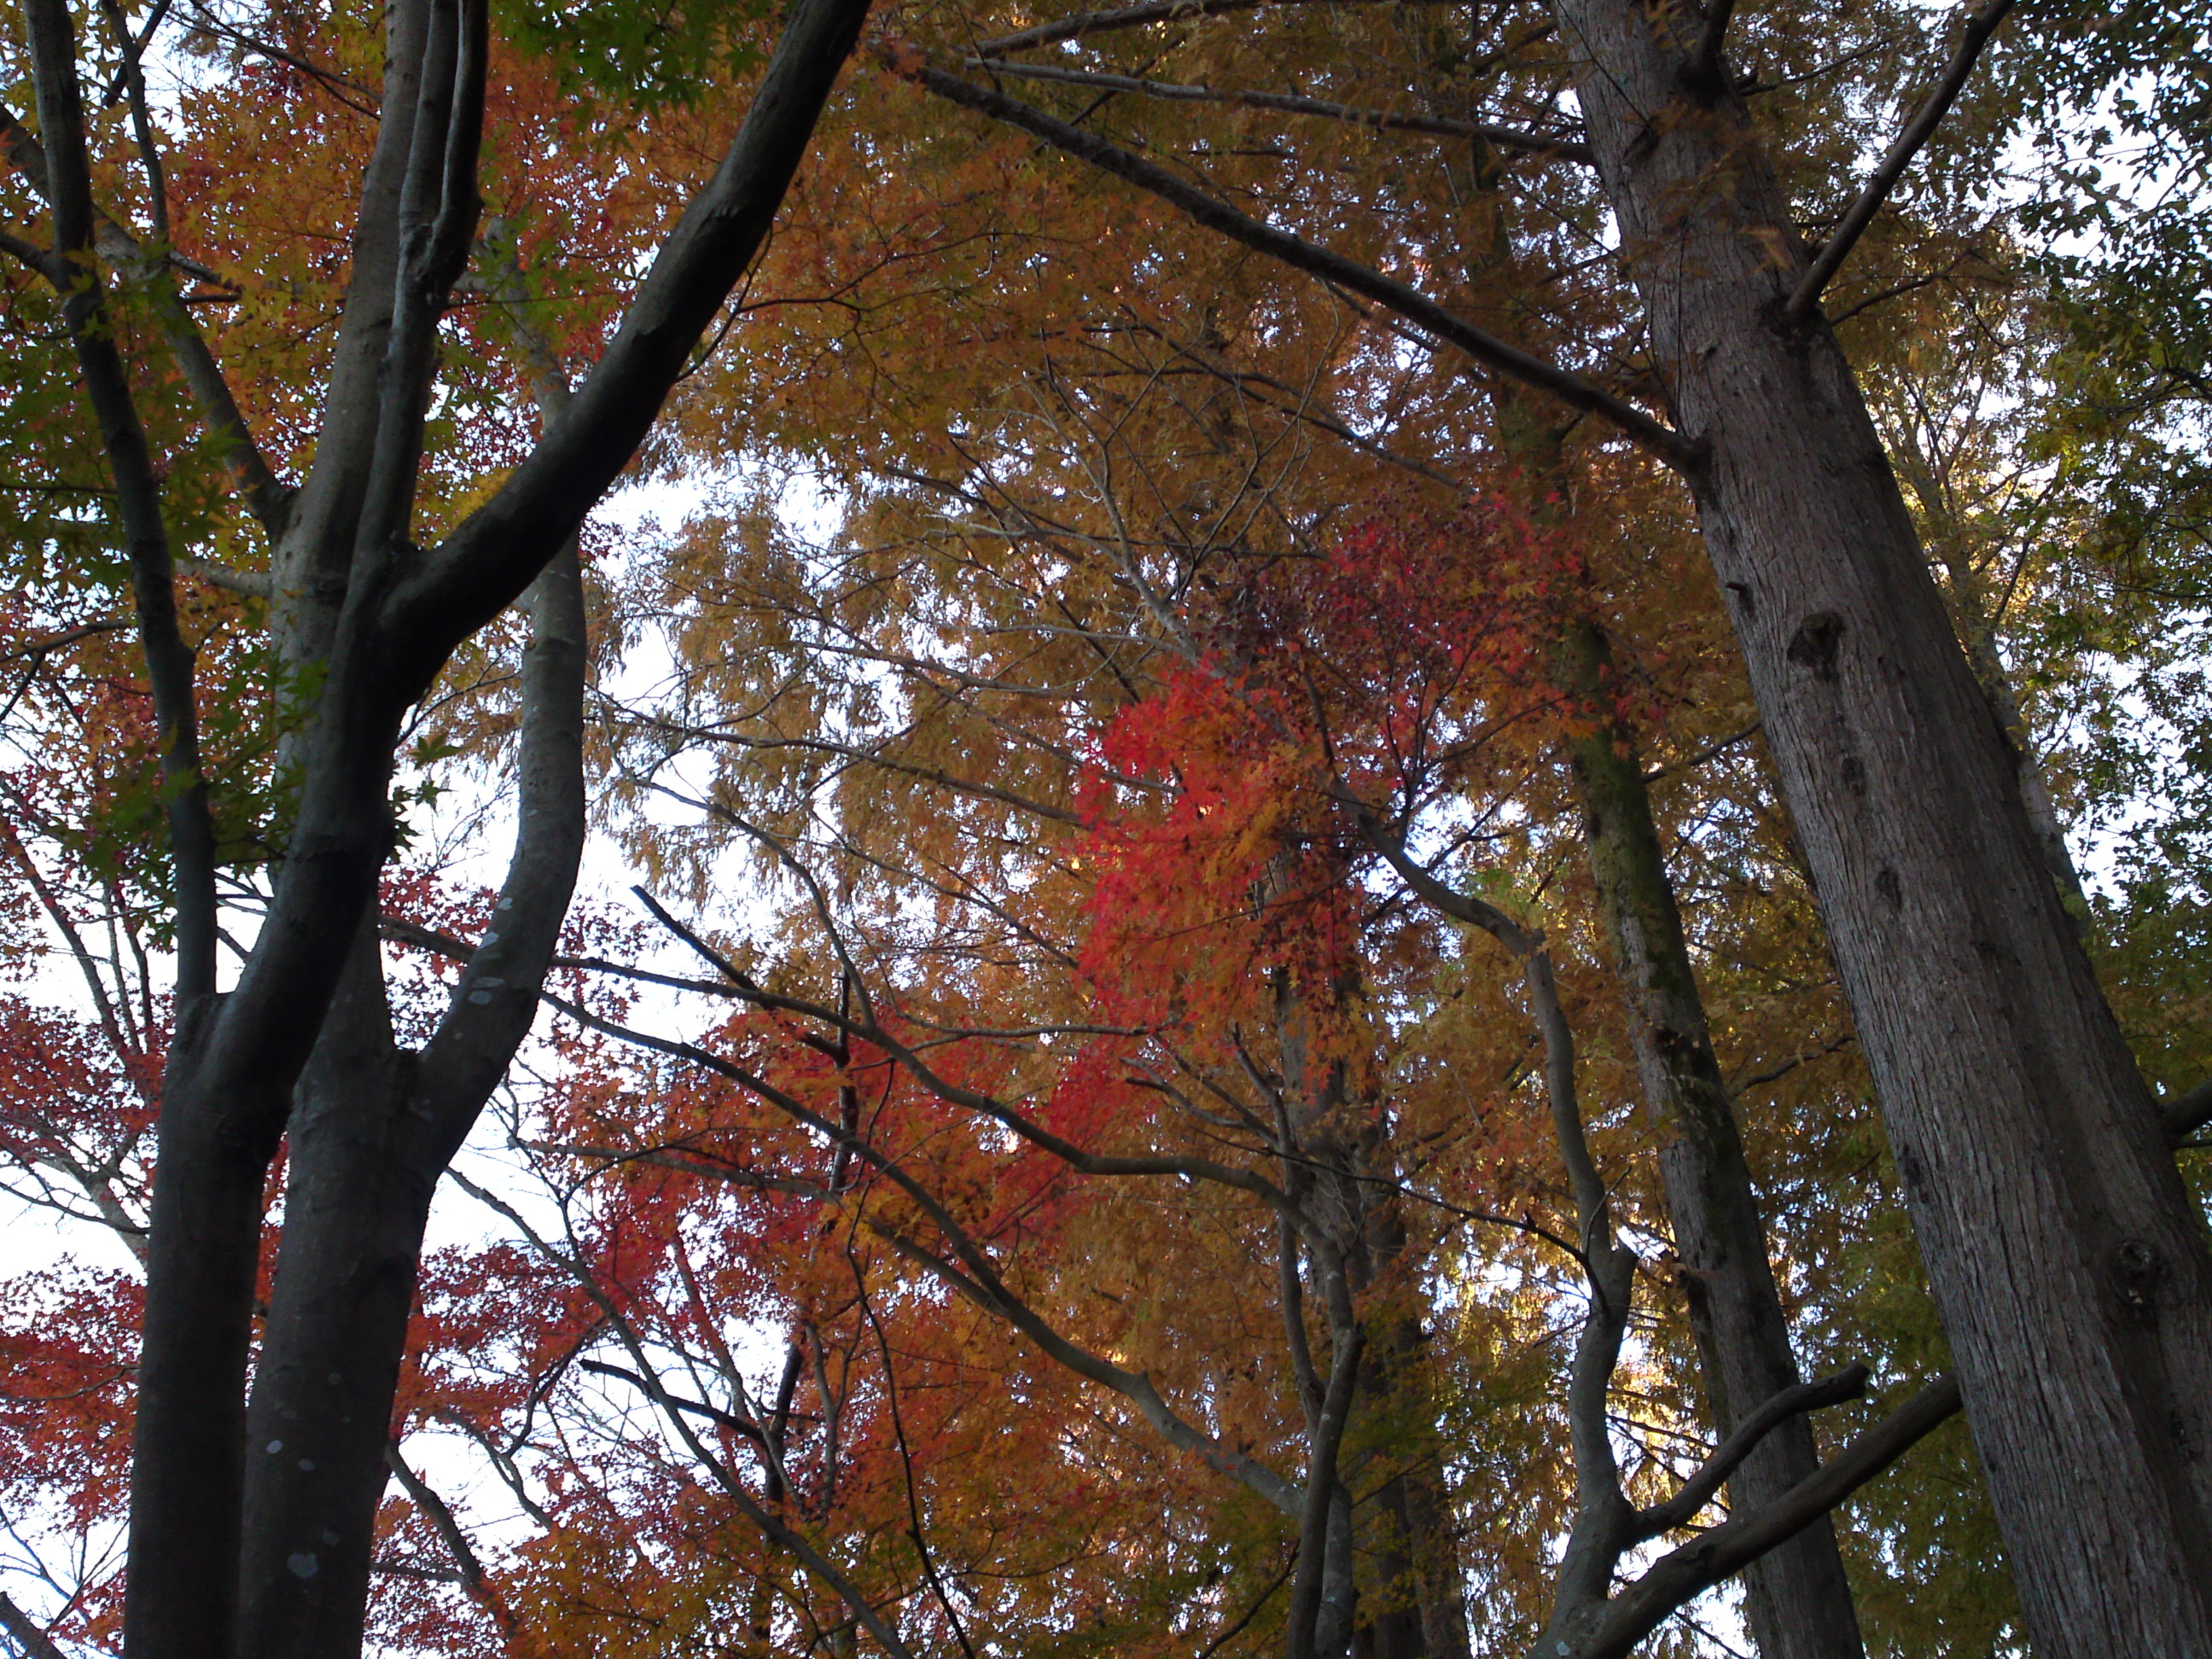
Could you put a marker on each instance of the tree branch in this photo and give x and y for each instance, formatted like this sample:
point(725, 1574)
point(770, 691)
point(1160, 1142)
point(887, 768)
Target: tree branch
point(649, 1383)
point(136, 54)
point(1699, 1489)
point(1459, 907)
point(1604, 1523)
point(985, 1289)
point(744, 1427)
point(2186, 1114)
point(1705, 61)
point(460, 205)
point(36, 257)
point(494, 553)
point(255, 584)
point(495, 1000)
point(1130, 17)
point(1683, 1575)
point(433, 1509)
point(34, 1642)
point(1416, 308)
point(132, 79)
point(974, 1280)
point(28, 157)
point(866, 1030)
point(267, 498)
point(1980, 27)
point(430, 263)
point(1503, 137)
point(169, 664)
point(1325, 1441)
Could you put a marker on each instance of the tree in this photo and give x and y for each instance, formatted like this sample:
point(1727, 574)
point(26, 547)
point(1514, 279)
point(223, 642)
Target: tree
point(1234, 866)
point(269, 1550)
point(1171, 957)
point(2040, 1167)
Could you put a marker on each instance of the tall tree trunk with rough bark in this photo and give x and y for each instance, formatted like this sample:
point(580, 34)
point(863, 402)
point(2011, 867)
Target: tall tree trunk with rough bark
point(2068, 1263)
point(1797, 1599)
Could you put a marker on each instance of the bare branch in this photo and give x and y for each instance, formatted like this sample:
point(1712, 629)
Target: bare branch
point(975, 1277)
point(872, 757)
point(1516, 139)
point(1699, 1489)
point(28, 157)
point(434, 1510)
point(136, 52)
point(460, 205)
point(1415, 307)
point(1683, 1575)
point(864, 1029)
point(1128, 17)
point(1980, 27)
point(2186, 1114)
point(1604, 1523)
point(36, 257)
point(34, 1642)
point(985, 1289)
point(744, 1427)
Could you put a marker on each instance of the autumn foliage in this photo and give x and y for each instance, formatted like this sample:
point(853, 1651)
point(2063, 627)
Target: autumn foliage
point(1079, 1139)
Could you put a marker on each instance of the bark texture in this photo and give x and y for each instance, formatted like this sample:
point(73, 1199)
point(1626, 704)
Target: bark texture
point(2069, 1266)
point(1797, 1599)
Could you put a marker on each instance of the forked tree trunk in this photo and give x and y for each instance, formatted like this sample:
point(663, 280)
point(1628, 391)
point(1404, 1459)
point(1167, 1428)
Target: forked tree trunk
point(2068, 1262)
point(329, 1364)
point(372, 1130)
point(230, 1086)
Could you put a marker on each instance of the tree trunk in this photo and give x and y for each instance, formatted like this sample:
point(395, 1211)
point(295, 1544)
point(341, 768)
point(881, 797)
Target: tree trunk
point(1975, 616)
point(2068, 1263)
point(317, 1422)
point(399, 611)
point(371, 1133)
point(1797, 1601)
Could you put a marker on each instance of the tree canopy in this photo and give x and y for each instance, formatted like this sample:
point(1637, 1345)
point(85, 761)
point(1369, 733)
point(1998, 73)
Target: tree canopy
point(1327, 827)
